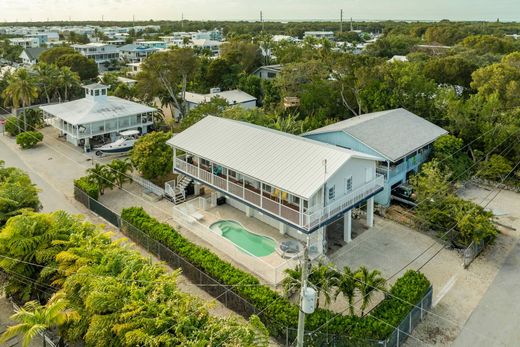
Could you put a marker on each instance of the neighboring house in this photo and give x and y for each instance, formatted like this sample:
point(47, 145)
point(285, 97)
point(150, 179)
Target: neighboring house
point(135, 53)
point(45, 37)
point(25, 42)
point(101, 53)
point(151, 44)
point(97, 115)
point(135, 68)
point(319, 34)
point(296, 185)
point(202, 44)
point(128, 81)
point(214, 35)
point(233, 97)
point(398, 58)
point(30, 56)
point(400, 138)
point(268, 72)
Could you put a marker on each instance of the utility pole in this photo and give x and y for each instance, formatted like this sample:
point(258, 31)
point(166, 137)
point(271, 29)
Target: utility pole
point(301, 314)
point(351, 25)
point(182, 21)
point(341, 21)
point(262, 20)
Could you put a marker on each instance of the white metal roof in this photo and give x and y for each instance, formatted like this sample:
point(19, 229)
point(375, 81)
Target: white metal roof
point(292, 163)
point(231, 96)
point(392, 133)
point(88, 110)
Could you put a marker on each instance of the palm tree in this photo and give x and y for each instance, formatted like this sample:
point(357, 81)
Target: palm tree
point(48, 79)
point(21, 89)
point(102, 176)
point(34, 319)
point(322, 279)
point(346, 284)
point(67, 80)
point(367, 282)
point(292, 282)
point(120, 170)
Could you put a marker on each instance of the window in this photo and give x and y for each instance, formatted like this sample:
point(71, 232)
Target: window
point(267, 188)
point(205, 162)
point(232, 173)
point(271, 75)
point(97, 92)
point(294, 199)
point(103, 92)
point(348, 185)
point(332, 193)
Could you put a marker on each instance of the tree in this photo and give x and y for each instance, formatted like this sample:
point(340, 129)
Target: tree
point(52, 55)
point(33, 319)
point(84, 67)
point(22, 89)
point(68, 80)
point(167, 72)
point(47, 79)
point(447, 150)
point(28, 139)
point(246, 55)
point(482, 44)
point(151, 156)
point(346, 285)
point(367, 283)
point(392, 45)
point(121, 170)
point(453, 70)
point(321, 278)
point(496, 168)
point(102, 176)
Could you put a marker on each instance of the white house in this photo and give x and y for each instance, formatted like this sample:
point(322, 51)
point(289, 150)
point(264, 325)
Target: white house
point(45, 37)
point(295, 184)
point(233, 97)
point(30, 56)
point(135, 68)
point(319, 34)
point(213, 46)
point(398, 58)
point(101, 53)
point(268, 72)
point(25, 42)
point(135, 53)
point(97, 115)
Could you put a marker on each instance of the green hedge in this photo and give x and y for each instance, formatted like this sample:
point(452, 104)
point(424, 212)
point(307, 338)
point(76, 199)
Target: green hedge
point(281, 313)
point(89, 187)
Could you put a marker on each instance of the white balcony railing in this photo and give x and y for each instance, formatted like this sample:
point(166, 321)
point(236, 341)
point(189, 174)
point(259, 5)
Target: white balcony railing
point(306, 220)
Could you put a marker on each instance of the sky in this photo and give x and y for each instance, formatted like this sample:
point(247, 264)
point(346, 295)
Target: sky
point(41, 10)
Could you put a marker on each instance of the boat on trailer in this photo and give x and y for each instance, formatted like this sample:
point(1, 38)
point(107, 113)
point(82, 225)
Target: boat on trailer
point(123, 144)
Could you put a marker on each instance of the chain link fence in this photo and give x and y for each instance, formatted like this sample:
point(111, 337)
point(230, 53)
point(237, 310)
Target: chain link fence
point(472, 252)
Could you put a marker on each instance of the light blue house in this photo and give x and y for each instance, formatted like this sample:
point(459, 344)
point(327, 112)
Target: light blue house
point(400, 138)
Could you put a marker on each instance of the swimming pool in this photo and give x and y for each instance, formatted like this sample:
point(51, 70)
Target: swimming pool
point(252, 243)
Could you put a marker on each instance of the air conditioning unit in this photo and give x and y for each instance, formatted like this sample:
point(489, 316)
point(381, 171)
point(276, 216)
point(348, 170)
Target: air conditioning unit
point(214, 90)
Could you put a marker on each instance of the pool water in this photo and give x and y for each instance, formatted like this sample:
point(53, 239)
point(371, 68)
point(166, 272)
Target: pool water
point(245, 240)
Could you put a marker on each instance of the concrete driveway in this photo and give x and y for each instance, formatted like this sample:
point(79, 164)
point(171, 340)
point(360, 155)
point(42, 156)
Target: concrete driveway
point(456, 292)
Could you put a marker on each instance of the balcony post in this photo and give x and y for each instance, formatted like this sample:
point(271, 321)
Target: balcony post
point(212, 174)
point(227, 180)
point(370, 212)
point(198, 165)
point(347, 226)
point(261, 194)
point(174, 158)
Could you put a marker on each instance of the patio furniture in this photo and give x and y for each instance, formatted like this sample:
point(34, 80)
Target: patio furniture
point(290, 247)
point(194, 213)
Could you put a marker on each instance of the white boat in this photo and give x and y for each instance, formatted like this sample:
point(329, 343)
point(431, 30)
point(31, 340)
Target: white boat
point(123, 144)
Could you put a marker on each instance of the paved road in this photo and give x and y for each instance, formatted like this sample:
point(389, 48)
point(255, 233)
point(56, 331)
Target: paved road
point(50, 197)
point(497, 314)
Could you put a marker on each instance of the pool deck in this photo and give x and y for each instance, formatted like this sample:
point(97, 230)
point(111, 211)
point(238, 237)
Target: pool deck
point(269, 268)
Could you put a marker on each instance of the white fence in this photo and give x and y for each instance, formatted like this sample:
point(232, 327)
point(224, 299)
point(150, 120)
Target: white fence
point(271, 270)
point(148, 186)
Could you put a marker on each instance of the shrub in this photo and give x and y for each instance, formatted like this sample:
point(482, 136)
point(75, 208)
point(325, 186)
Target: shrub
point(495, 168)
point(277, 312)
point(28, 139)
point(88, 186)
point(12, 126)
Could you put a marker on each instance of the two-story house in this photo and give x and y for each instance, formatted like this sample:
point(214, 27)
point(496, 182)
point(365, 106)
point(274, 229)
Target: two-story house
point(134, 53)
point(101, 53)
point(403, 139)
point(294, 184)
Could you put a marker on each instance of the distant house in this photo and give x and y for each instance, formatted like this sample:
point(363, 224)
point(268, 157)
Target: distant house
point(268, 72)
point(45, 37)
point(319, 34)
point(233, 97)
point(128, 81)
point(400, 138)
point(101, 53)
point(203, 44)
point(97, 115)
point(135, 53)
point(135, 68)
point(25, 42)
point(151, 44)
point(398, 58)
point(30, 56)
